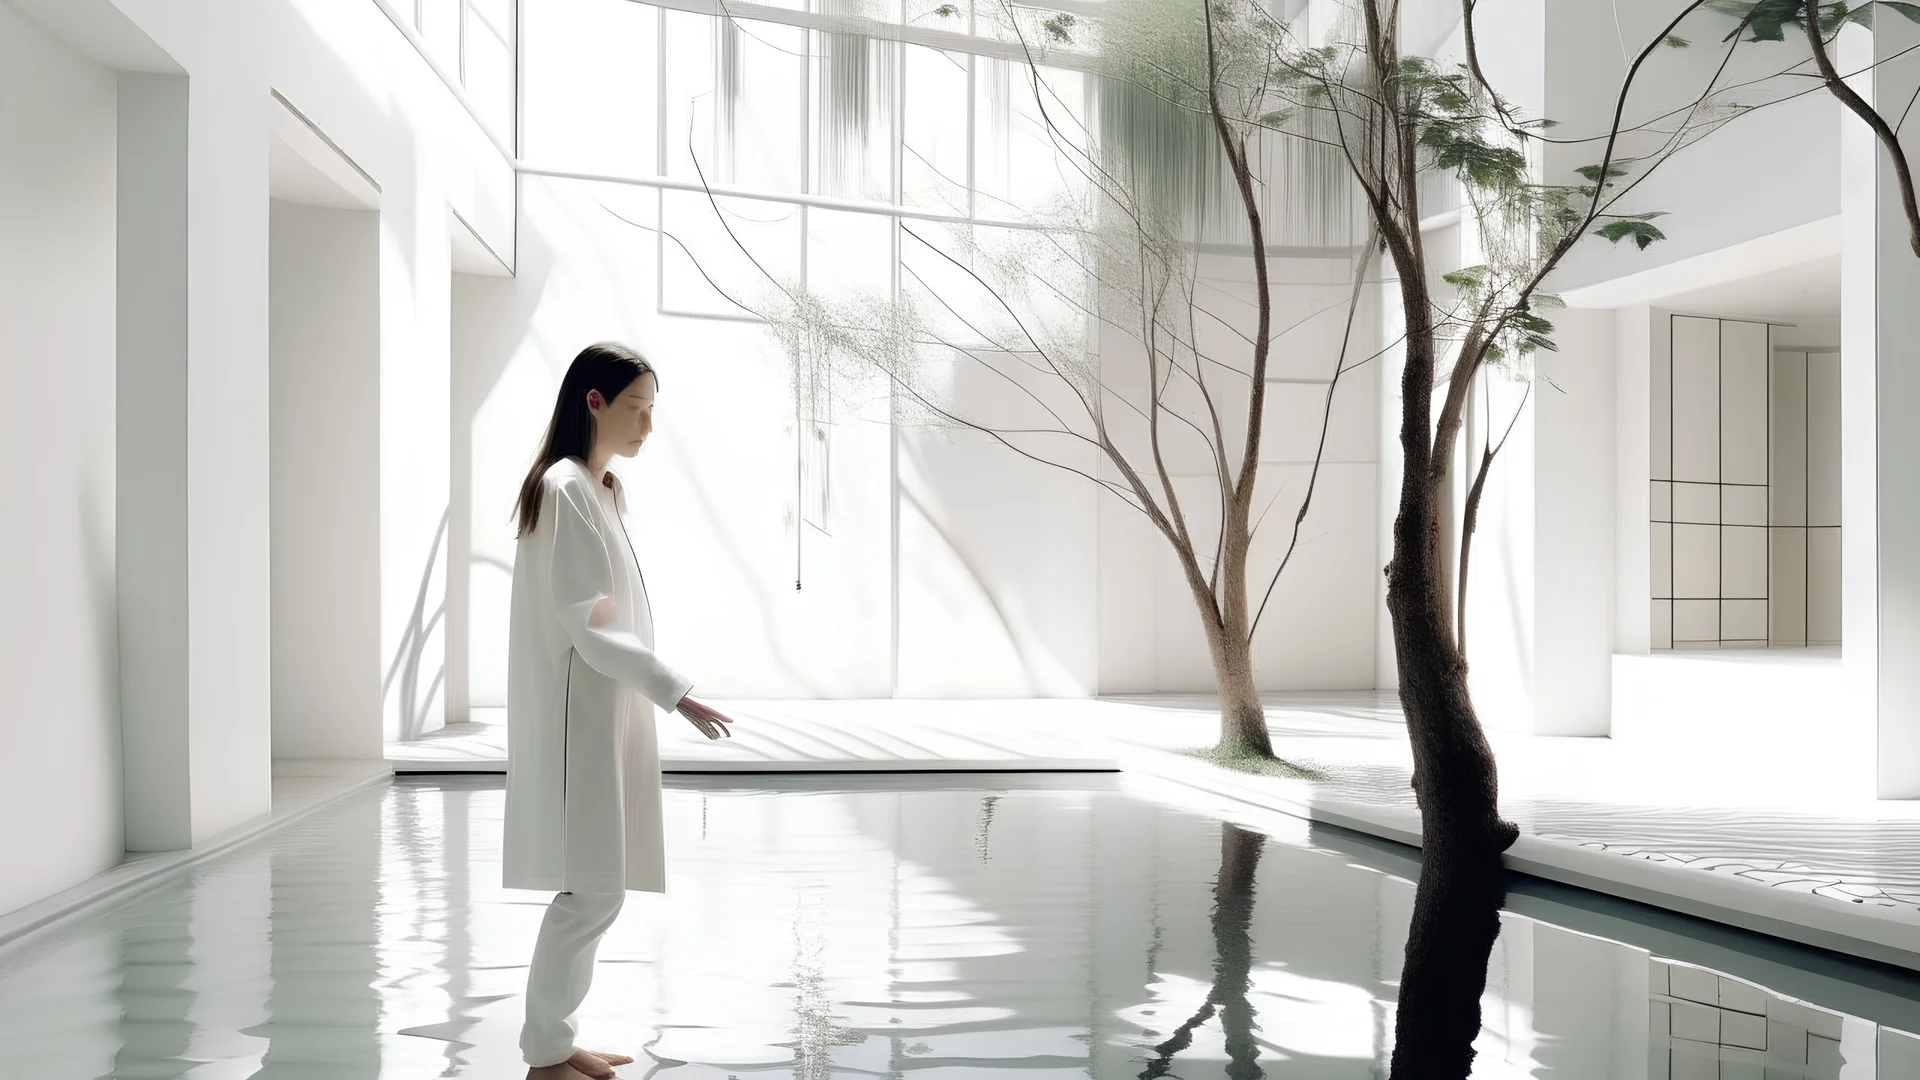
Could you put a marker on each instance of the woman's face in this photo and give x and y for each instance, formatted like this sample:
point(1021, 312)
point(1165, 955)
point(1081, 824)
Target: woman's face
point(624, 424)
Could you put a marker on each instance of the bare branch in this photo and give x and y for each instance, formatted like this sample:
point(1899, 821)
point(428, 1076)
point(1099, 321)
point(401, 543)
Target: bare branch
point(1326, 423)
point(1889, 139)
point(1470, 516)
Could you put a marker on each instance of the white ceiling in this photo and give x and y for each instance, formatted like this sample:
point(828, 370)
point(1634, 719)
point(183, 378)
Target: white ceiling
point(1806, 289)
point(304, 166)
point(292, 178)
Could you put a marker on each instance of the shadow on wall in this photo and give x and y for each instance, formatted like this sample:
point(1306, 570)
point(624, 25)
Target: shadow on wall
point(491, 316)
point(409, 698)
point(1034, 681)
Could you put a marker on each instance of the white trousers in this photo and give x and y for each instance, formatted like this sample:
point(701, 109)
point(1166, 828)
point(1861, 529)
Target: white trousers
point(562, 970)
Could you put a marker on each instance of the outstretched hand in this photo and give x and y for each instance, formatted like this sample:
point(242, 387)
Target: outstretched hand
point(710, 721)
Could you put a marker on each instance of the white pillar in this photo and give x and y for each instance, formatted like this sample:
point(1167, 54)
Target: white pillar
point(151, 491)
point(415, 388)
point(1880, 391)
point(229, 574)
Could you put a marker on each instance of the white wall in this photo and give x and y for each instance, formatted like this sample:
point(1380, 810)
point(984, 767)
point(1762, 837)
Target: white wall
point(360, 81)
point(324, 360)
point(60, 718)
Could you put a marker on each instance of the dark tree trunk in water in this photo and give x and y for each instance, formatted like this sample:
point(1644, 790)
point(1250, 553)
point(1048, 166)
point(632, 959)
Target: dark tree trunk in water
point(1456, 919)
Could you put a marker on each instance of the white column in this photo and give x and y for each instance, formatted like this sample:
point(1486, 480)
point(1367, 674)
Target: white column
point(151, 434)
point(415, 388)
point(229, 574)
point(1573, 430)
point(1880, 389)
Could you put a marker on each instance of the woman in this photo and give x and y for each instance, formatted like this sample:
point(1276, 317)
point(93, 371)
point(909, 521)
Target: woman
point(583, 780)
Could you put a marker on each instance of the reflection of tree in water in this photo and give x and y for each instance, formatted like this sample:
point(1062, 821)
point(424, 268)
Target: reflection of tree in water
point(817, 1030)
point(1456, 919)
point(1232, 963)
point(986, 824)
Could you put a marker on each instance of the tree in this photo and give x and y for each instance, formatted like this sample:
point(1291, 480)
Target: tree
point(1121, 253)
point(1189, 107)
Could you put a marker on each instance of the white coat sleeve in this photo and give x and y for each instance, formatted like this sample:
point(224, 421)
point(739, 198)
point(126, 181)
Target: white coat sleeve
point(581, 577)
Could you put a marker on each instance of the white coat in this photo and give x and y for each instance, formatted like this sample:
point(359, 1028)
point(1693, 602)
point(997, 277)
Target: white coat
point(583, 760)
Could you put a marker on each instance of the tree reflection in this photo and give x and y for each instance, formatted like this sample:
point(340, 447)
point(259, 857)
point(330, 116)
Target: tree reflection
point(1456, 918)
point(1232, 963)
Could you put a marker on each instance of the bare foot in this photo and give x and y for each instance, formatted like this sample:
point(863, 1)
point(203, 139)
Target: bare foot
point(583, 1065)
point(592, 1064)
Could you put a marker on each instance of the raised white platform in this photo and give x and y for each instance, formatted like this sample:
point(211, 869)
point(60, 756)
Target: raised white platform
point(824, 736)
point(1765, 720)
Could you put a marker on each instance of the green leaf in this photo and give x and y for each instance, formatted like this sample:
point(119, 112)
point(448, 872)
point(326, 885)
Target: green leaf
point(1675, 41)
point(1644, 233)
point(947, 11)
point(1060, 27)
point(1835, 16)
point(1275, 118)
point(1615, 169)
point(1467, 277)
point(1767, 20)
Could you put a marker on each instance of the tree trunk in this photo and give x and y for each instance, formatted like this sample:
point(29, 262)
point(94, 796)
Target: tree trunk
point(1456, 919)
point(1243, 720)
point(1454, 777)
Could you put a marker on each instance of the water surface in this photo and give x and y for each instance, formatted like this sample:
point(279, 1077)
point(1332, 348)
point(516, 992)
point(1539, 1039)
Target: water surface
point(932, 927)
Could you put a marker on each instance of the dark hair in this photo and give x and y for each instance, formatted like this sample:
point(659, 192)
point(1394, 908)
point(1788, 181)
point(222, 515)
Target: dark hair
point(608, 367)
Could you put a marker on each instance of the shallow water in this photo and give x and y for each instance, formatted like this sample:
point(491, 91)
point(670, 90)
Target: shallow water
point(938, 927)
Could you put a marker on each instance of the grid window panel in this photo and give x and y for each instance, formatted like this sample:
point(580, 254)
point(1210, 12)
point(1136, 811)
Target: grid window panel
point(1787, 589)
point(1696, 400)
point(1696, 504)
point(1743, 505)
point(1662, 562)
point(1823, 586)
point(1823, 438)
point(1662, 615)
point(1743, 402)
point(1661, 506)
point(1696, 563)
point(1743, 565)
point(1744, 620)
point(1696, 621)
point(1788, 481)
point(1660, 413)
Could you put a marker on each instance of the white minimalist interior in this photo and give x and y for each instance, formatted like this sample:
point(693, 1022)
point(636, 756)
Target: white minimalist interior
point(290, 286)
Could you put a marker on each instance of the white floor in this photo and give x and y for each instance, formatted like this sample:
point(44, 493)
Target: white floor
point(1844, 876)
